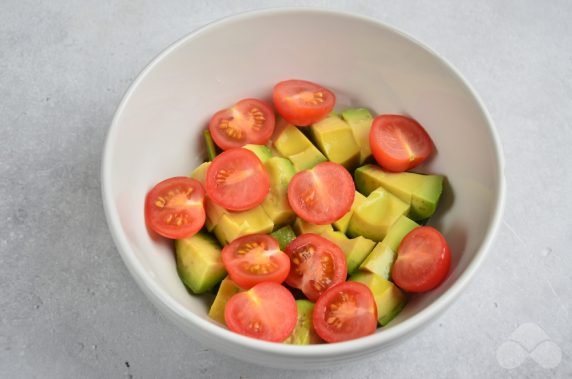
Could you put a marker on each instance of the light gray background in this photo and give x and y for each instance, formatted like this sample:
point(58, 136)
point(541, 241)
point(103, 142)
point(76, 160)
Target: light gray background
point(68, 306)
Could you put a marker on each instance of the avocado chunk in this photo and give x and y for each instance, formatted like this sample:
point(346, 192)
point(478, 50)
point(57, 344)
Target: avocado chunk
point(381, 259)
point(421, 191)
point(304, 333)
point(294, 145)
point(376, 214)
point(359, 120)
point(200, 173)
point(284, 236)
point(261, 151)
point(355, 249)
point(335, 139)
point(209, 143)
point(232, 225)
point(342, 224)
point(388, 298)
point(280, 171)
point(199, 262)
point(213, 211)
point(227, 289)
point(300, 227)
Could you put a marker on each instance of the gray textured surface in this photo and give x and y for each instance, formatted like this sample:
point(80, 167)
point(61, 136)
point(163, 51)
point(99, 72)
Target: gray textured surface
point(68, 306)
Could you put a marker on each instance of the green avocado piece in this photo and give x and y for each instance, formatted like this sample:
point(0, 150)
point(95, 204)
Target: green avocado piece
point(355, 249)
point(388, 298)
point(284, 236)
point(211, 148)
point(213, 211)
point(335, 139)
point(261, 151)
point(304, 333)
point(280, 171)
point(376, 214)
point(381, 259)
point(291, 143)
point(232, 225)
point(199, 262)
point(360, 119)
point(421, 191)
point(227, 289)
point(342, 224)
point(200, 173)
point(300, 227)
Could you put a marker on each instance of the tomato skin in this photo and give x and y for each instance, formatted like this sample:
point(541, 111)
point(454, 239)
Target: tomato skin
point(322, 194)
point(236, 180)
point(399, 143)
point(345, 311)
point(254, 259)
point(267, 311)
point(174, 207)
point(248, 121)
point(301, 102)
point(315, 264)
point(423, 260)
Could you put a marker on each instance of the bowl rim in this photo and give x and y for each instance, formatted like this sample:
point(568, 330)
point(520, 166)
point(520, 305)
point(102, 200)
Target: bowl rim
point(150, 288)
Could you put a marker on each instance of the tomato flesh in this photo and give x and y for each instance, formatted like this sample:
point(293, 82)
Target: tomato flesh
point(315, 264)
point(248, 121)
point(423, 260)
point(322, 194)
point(399, 143)
point(301, 102)
point(345, 311)
point(255, 258)
point(174, 207)
point(267, 311)
point(236, 180)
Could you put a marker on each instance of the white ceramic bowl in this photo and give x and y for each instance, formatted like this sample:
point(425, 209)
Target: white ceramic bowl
point(156, 133)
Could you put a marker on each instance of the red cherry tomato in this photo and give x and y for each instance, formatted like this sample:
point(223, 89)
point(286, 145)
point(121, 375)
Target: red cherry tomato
point(423, 260)
point(174, 207)
point(248, 121)
point(236, 180)
point(316, 264)
point(345, 311)
point(322, 194)
point(255, 258)
point(302, 103)
point(267, 311)
point(399, 143)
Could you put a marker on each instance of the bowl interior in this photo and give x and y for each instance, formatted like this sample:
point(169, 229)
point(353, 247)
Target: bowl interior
point(157, 130)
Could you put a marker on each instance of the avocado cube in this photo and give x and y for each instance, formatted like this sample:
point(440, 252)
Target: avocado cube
point(304, 333)
point(360, 120)
point(199, 262)
point(388, 298)
point(232, 225)
point(280, 171)
point(227, 289)
point(335, 139)
point(261, 151)
point(284, 236)
point(421, 191)
point(294, 145)
point(342, 224)
point(376, 214)
point(300, 227)
point(355, 249)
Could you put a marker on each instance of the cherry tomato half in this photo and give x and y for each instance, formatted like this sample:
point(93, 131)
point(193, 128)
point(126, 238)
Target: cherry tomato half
point(315, 264)
point(236, 180)
point(267, 311)
point(399, 143)
point(248, 121)
point(322, 194)
point(174, 207)
point(301, 102)
point(423, 260)
point(344, 312)
point(255, 258)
